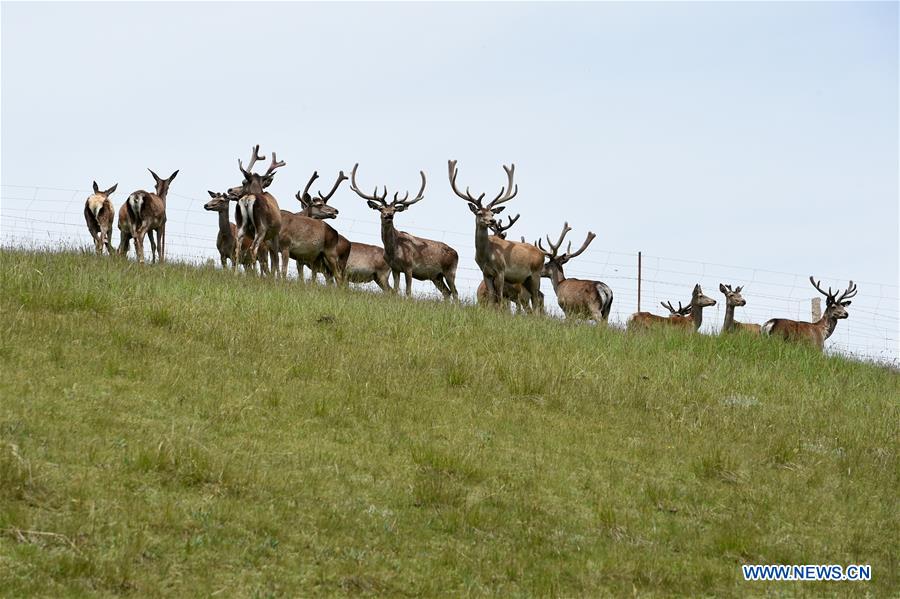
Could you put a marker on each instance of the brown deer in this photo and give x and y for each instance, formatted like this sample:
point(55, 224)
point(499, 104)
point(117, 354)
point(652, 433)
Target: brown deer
point(814, 332)
point(306, 239)
point(363, 263)
point(578, 298)
point(144, 213)
point(318, 208)
point(734, 299)
point(257, 214)
point(226, 239)
point(501, 260)
point(99, 214)
point(516, 293)
point(689, 317)
point(417, 258)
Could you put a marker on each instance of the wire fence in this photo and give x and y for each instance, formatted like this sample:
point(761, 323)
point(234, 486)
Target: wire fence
point(33, 215)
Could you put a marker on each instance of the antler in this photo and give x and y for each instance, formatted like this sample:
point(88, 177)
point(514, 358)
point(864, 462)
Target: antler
point(404, 202)
point(829, 295)
point(274, 165)
point(499, 228)
point(555, 248)
point(587, 241)
point(681, 311)
point(253, 158)
point(453, 171)
point(509, 192)
point(301, 195)
point(374, 197)
point(341, 178)
point(848, 293)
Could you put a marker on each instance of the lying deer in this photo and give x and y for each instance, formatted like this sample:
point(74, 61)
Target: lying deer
point(415, 257)
point(501, 260)
point(578, 298)
point(144, 213)
point(99, 214)
point(226, 239)
point(733, 299)
point(814, 332)
point(257, 215)
point(689, 317)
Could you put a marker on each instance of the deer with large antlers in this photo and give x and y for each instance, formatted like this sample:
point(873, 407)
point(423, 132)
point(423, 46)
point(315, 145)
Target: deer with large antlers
point(514, 292)
point(257, 214)
point(734, 299)
point(814, 332)
point(501, 260)
point(415, 257)
point(144, 213)
point(689, 317)
point(99, 214)
point(226, 239)
point(578, 298)
point(306, 239)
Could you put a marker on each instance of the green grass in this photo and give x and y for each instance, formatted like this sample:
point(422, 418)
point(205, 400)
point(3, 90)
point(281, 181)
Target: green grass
point(187, 431)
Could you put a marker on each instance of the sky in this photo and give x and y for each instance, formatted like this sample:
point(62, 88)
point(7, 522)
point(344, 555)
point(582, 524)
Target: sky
point(759, 135)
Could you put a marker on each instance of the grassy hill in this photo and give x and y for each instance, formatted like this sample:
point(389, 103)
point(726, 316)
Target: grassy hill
point(187, 431)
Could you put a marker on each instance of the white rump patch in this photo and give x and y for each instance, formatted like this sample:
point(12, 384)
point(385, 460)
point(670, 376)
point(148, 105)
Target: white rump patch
point(766, 329)
point(246, 205)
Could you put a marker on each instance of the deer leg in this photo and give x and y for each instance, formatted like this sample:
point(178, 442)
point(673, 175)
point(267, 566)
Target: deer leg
point(441, 286)
point(533, 284)
point(500, 287)
point(161, 242)
point(381, 279)
point(332, 262)
point(286, 261)
point(408, 276)
point(450, 278)
point(152, 246)
point(124, 242)
point(274, 254)
point(396, 287)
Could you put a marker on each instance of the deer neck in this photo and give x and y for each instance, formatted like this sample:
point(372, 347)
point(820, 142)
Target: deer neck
point(729, 317)
point(388, 236)
point(556, 276)
point(482, 242)
point(224, 224)
point(697, 316)
point(827, 325)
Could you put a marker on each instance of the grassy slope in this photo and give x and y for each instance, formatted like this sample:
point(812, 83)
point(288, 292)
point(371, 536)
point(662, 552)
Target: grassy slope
point(186, 430)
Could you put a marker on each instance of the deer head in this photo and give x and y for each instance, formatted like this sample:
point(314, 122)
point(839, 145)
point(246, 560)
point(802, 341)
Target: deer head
point(318, 207)
point(835, 305)
point(554, 259)
point(733, 297)
point(108, 192)
point(484, 215)
point(218, 203)
point(698, 300)
point(162, 185)
point(254, 183)
point(379, 203)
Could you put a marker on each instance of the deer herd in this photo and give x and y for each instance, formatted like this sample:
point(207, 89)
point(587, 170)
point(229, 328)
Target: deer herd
point(266, 235)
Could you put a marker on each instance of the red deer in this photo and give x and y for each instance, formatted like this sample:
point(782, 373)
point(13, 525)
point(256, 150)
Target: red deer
point(814, 332)
point(514, 292)
point(677, 318)
point(733, 299)
point(501, 260)
point(318, 208)
point(578, 298)
point(99, 214)
point(306, 239)
point(257, 214)
point(227, 236)
point(144, 213)
point(417, 258)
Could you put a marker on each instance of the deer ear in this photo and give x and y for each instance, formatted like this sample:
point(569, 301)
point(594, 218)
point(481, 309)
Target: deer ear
point(499, 210)
point(738, 290)
point(155, 176)
point(212, 194)
point(373, 205)
point(846, 303)
point(721, 287)
point(96, 187)
point(472, 208)
point(172, 176)
point(111, 189)
point(399, 207)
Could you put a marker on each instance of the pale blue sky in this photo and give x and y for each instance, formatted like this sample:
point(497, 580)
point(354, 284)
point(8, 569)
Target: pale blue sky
point(757, 134)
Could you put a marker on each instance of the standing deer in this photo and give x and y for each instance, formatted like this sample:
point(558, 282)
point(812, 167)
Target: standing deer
point(501, 260)
point(516, 293)
point(417, 258)
point(257, 214)
point(364, 263)
point(306, 239)
point(226, 239)
point(144, 213)
point(577, 297)
point(733, 299)
point(677, 318)
point(99, 214)
point(814, 332)
point(318, 208)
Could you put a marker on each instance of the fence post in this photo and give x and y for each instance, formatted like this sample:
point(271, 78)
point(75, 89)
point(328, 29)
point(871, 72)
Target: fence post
point(639, 282)
point(816, 308)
